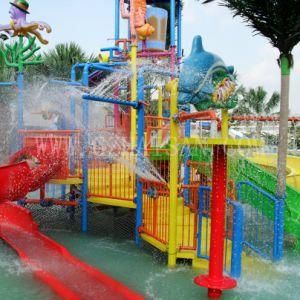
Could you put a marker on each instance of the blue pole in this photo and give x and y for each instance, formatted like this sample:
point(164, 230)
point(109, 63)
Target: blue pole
point(172, 23)
point(117, 20)
point(280, 228)
point(200, 210)
point(133, 104)
point(140, 157)
point(179, 31)
point(85, 165)
point(72, 102)
point(237, 240)
point(20, 85)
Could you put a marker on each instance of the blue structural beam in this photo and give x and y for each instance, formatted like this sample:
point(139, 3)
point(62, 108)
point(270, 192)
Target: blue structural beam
point(110, 100)
point(85, 162)
point(117, 20)
point(111, 51)
point(237, 239)
point(179, 30)
point(140, 157)
point(172, 23)
point(14, 83)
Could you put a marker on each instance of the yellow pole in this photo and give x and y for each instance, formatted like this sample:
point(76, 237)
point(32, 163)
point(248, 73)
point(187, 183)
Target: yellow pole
point(225, 124)
point(160, 115)
point(133, 132)
point(174, 161)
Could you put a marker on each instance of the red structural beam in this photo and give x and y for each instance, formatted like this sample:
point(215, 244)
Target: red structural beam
point(64, 132)
point(53, 201)
point(199, 115)
point(262, 118)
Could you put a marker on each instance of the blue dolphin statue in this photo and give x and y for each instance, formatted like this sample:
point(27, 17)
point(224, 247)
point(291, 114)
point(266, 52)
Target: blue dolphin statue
point(205, 81)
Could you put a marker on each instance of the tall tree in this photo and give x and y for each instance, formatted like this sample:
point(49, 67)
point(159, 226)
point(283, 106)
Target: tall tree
point(279, 22)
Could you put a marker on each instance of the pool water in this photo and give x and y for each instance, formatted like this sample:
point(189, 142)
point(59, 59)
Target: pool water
point(145, 271)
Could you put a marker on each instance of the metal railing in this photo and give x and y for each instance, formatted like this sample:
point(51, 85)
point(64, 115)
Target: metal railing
point(264, 221)
point(234, 232)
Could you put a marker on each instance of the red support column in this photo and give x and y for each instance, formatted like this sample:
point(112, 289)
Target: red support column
point(215, 281)
point(43, 192)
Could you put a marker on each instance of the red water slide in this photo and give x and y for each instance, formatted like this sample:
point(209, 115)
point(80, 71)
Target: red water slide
point(51, 263)
point(28, 170)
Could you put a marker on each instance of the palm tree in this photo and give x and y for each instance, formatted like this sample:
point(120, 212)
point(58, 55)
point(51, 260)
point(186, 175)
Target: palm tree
point(58, 61)
point(255, 102)
point(279, 22)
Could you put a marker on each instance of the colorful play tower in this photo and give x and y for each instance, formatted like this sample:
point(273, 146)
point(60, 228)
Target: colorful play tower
point(190, 211)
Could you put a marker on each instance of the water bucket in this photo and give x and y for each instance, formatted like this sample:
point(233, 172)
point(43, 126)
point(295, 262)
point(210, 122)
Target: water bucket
point(158, 18)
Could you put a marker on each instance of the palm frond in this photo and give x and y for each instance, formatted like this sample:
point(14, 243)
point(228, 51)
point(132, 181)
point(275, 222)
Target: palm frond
point(277, 20)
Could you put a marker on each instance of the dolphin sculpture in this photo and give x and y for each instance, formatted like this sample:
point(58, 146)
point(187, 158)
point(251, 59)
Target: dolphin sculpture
point(205, 81)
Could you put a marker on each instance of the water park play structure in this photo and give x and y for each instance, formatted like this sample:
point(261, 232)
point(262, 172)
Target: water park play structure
point(200, 203)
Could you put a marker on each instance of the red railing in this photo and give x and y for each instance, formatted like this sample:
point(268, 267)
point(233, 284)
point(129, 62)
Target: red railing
point(156, 202)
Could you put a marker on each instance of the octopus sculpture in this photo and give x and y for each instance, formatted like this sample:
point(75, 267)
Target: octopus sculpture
point(18, 25)
point(137, 17)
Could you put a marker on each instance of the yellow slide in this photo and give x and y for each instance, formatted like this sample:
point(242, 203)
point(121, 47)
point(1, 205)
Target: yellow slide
point(269, 162)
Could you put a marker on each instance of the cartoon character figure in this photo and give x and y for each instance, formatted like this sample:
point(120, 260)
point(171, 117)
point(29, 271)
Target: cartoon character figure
point(137, 18)
point(19, 26)
point(205, 81)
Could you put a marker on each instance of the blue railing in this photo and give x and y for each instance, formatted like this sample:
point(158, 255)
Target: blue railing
point(264, 221)
point(234, 232)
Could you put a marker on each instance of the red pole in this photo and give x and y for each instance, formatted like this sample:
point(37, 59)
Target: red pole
point(215, 281)
point(42, 192)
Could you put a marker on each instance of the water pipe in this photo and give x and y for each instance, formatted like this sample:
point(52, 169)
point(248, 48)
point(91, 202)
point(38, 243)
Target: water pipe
point(140, 156)
point(3, 84)
point(110, 100)
point(85, 165)
point(179, 31)
point(111, 51)
point(117, 20)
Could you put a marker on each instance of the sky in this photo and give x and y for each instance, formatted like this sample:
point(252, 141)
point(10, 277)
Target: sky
point(90, 23)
